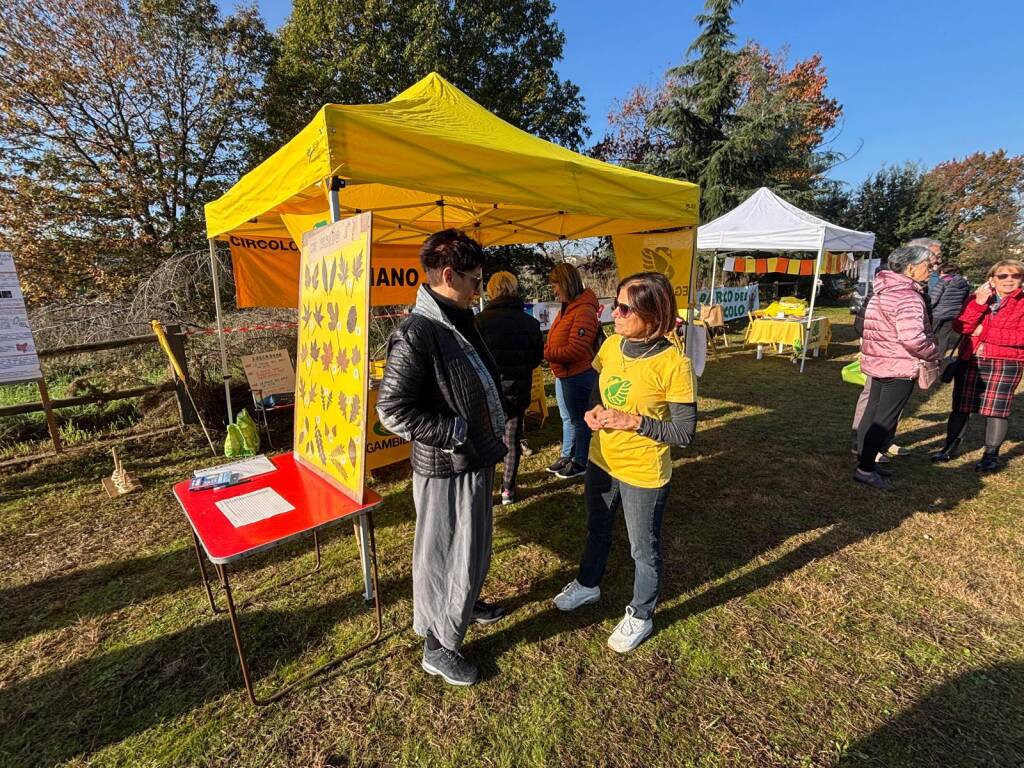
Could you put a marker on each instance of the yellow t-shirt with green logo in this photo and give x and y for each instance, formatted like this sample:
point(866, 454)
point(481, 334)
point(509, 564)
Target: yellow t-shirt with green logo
point(643, 386)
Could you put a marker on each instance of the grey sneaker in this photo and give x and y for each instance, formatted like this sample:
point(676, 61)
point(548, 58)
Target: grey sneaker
point(873, 479)
point(574, 595)
point(630, 632)
point(561, 462)
point(450, 665)
point(571, 469)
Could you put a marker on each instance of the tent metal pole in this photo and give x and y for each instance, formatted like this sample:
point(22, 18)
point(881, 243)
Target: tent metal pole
point(224, 374)
point(814, 297)
point(714, 269)
point(360, 525)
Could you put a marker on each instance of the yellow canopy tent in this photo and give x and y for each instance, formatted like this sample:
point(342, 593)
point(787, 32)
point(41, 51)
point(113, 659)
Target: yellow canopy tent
point(428, 159)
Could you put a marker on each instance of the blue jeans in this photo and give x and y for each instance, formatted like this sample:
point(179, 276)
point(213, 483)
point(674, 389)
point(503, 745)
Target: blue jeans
point(643, 509)
point(573, 396)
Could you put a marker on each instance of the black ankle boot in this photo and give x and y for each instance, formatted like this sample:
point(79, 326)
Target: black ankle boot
point(989, 462)
point(948, 452)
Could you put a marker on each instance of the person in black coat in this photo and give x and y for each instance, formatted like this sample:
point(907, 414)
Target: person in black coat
point(945, 299)
point(517, 345)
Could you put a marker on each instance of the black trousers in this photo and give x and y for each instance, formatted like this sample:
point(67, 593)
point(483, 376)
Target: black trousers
point(513, 434)
point(886, 401)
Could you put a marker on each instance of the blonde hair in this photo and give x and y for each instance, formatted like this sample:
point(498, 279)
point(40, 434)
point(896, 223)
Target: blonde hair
point(502, 284)
point(568, 278)
point(1017, 265)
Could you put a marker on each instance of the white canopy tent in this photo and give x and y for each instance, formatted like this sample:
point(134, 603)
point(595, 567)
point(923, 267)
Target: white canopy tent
point(765, 222)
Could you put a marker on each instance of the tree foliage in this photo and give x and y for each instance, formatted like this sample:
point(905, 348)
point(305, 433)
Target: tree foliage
point(730, 119)
point(119, 119)
point(982, 197)
point(500, 52)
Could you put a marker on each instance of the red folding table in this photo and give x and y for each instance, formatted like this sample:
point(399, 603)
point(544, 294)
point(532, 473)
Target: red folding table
point(317, 504)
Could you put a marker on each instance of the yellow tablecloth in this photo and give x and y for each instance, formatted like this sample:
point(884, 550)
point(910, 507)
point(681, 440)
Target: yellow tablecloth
point(767, 330)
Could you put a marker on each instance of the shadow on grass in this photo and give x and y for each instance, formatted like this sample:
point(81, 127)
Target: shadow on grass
point(90, 703)
point(975, 720)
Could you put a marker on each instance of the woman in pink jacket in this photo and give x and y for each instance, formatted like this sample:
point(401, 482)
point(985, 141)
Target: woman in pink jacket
point(897, 339)
point(991, 361)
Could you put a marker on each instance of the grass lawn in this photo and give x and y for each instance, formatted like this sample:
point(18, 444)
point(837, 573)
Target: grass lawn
point(805, 621)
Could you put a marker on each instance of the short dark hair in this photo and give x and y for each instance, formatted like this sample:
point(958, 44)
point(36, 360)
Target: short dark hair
point(651, 296)
point(450, 248)
point(946, 268)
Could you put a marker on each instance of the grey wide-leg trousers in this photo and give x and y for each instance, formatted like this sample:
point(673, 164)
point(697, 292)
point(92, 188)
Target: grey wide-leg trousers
point(451, 552)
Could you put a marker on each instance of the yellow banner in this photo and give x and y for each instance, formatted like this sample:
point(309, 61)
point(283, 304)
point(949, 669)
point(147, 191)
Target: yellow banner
point(382, 447)
point(265, 271)
point(396, 275)
point(332, 361)
point(670, 253)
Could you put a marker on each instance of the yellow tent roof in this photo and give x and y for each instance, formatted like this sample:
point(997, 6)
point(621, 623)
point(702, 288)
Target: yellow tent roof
point(433, 144)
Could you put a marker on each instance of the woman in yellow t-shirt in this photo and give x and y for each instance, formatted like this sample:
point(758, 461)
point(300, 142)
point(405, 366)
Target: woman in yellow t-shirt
point(644, 403)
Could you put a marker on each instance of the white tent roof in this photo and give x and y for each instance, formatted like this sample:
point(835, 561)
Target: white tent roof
point(766, 222)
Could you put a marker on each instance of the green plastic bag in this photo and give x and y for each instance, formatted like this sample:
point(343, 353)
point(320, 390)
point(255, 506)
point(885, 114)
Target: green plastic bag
point(852, 374)
point(234, 445)
point(250, 433)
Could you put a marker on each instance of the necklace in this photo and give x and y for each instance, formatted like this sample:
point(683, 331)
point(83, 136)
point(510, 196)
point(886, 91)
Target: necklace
point(632, 360)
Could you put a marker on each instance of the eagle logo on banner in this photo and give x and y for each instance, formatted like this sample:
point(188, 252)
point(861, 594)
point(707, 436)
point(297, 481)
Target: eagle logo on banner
point(658, 260)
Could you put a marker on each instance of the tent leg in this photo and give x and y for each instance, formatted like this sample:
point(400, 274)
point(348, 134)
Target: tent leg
point(814, 297)
point(714, 270)
point(225, 376)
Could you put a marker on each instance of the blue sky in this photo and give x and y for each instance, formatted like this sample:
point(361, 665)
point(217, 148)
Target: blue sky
point(920, 81)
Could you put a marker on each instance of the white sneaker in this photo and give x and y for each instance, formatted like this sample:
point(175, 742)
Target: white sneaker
point(630, 632)
point(574, 595)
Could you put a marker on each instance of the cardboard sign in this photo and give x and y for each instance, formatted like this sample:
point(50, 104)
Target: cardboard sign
point(670, 253)
point(332, 360)
point(269, 373)
point(18, 359)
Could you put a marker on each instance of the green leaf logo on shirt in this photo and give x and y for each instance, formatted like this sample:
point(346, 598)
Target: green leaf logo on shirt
point(617, 391)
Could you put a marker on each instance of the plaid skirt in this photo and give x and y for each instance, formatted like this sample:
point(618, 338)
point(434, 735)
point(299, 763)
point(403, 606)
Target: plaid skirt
point(986, 386)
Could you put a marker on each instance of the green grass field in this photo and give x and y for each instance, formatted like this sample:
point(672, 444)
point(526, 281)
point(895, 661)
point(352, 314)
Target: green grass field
point(805, 621)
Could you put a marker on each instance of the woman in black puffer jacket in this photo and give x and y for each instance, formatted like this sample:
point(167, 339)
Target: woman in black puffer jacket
point(517, 346)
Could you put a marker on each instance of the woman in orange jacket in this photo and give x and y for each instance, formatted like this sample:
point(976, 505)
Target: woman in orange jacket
point(570, 349)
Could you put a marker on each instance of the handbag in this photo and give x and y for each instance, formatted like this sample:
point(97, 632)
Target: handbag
point(927, 374)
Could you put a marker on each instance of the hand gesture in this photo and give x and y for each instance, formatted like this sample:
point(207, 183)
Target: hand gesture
point(612, 419)
point(593, 417)
point(984, 293)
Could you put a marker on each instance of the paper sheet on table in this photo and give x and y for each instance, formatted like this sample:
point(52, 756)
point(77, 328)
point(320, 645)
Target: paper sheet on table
point(257, 465)
point(252, 507)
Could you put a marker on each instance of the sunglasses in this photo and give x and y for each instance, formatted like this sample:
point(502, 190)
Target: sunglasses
point(622, 309)
point(1008, 275)
point(477, 279)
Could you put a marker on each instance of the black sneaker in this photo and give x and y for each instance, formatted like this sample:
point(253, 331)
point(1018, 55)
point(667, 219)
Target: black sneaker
point(487, 613)
point(450, 665)
point(561, 462)
point(571, 469)
point(989, 463)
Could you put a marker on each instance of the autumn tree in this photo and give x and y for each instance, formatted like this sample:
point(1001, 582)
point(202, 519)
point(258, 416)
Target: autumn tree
point(120, 119)
point(502, 53)
point(982, 197)
point(731, 120)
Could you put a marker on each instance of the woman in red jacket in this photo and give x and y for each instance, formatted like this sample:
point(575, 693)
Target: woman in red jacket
point(992, 361)
point(570, 349)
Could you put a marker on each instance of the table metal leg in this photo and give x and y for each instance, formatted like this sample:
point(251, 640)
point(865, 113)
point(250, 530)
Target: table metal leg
point(760, 351)
point(236, 632)
point(362, 539)
point(203, 576)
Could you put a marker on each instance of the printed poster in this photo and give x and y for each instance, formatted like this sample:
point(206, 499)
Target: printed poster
point(18, 359)
point(670, 253)
point(332, 366)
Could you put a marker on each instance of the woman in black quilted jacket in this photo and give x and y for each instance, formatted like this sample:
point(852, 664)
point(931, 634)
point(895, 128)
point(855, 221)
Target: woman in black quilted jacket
point(517, 346)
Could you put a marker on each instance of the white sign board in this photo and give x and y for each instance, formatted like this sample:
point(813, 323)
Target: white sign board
point(18, 359)
point(269, 373)
point(736, 301)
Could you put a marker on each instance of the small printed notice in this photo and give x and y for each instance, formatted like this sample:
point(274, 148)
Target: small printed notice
point(269, 373)
point(18, 359)
point(246, 468)
point(252, 507)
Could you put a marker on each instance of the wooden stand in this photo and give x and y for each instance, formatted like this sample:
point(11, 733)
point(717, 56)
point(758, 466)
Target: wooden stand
point(121, 481)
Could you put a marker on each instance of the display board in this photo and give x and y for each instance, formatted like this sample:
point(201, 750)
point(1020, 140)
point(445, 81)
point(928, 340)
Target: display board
point(269, 373)
point(736, 301)
point(18, 358)
point(670, 253)
point(332, 360)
